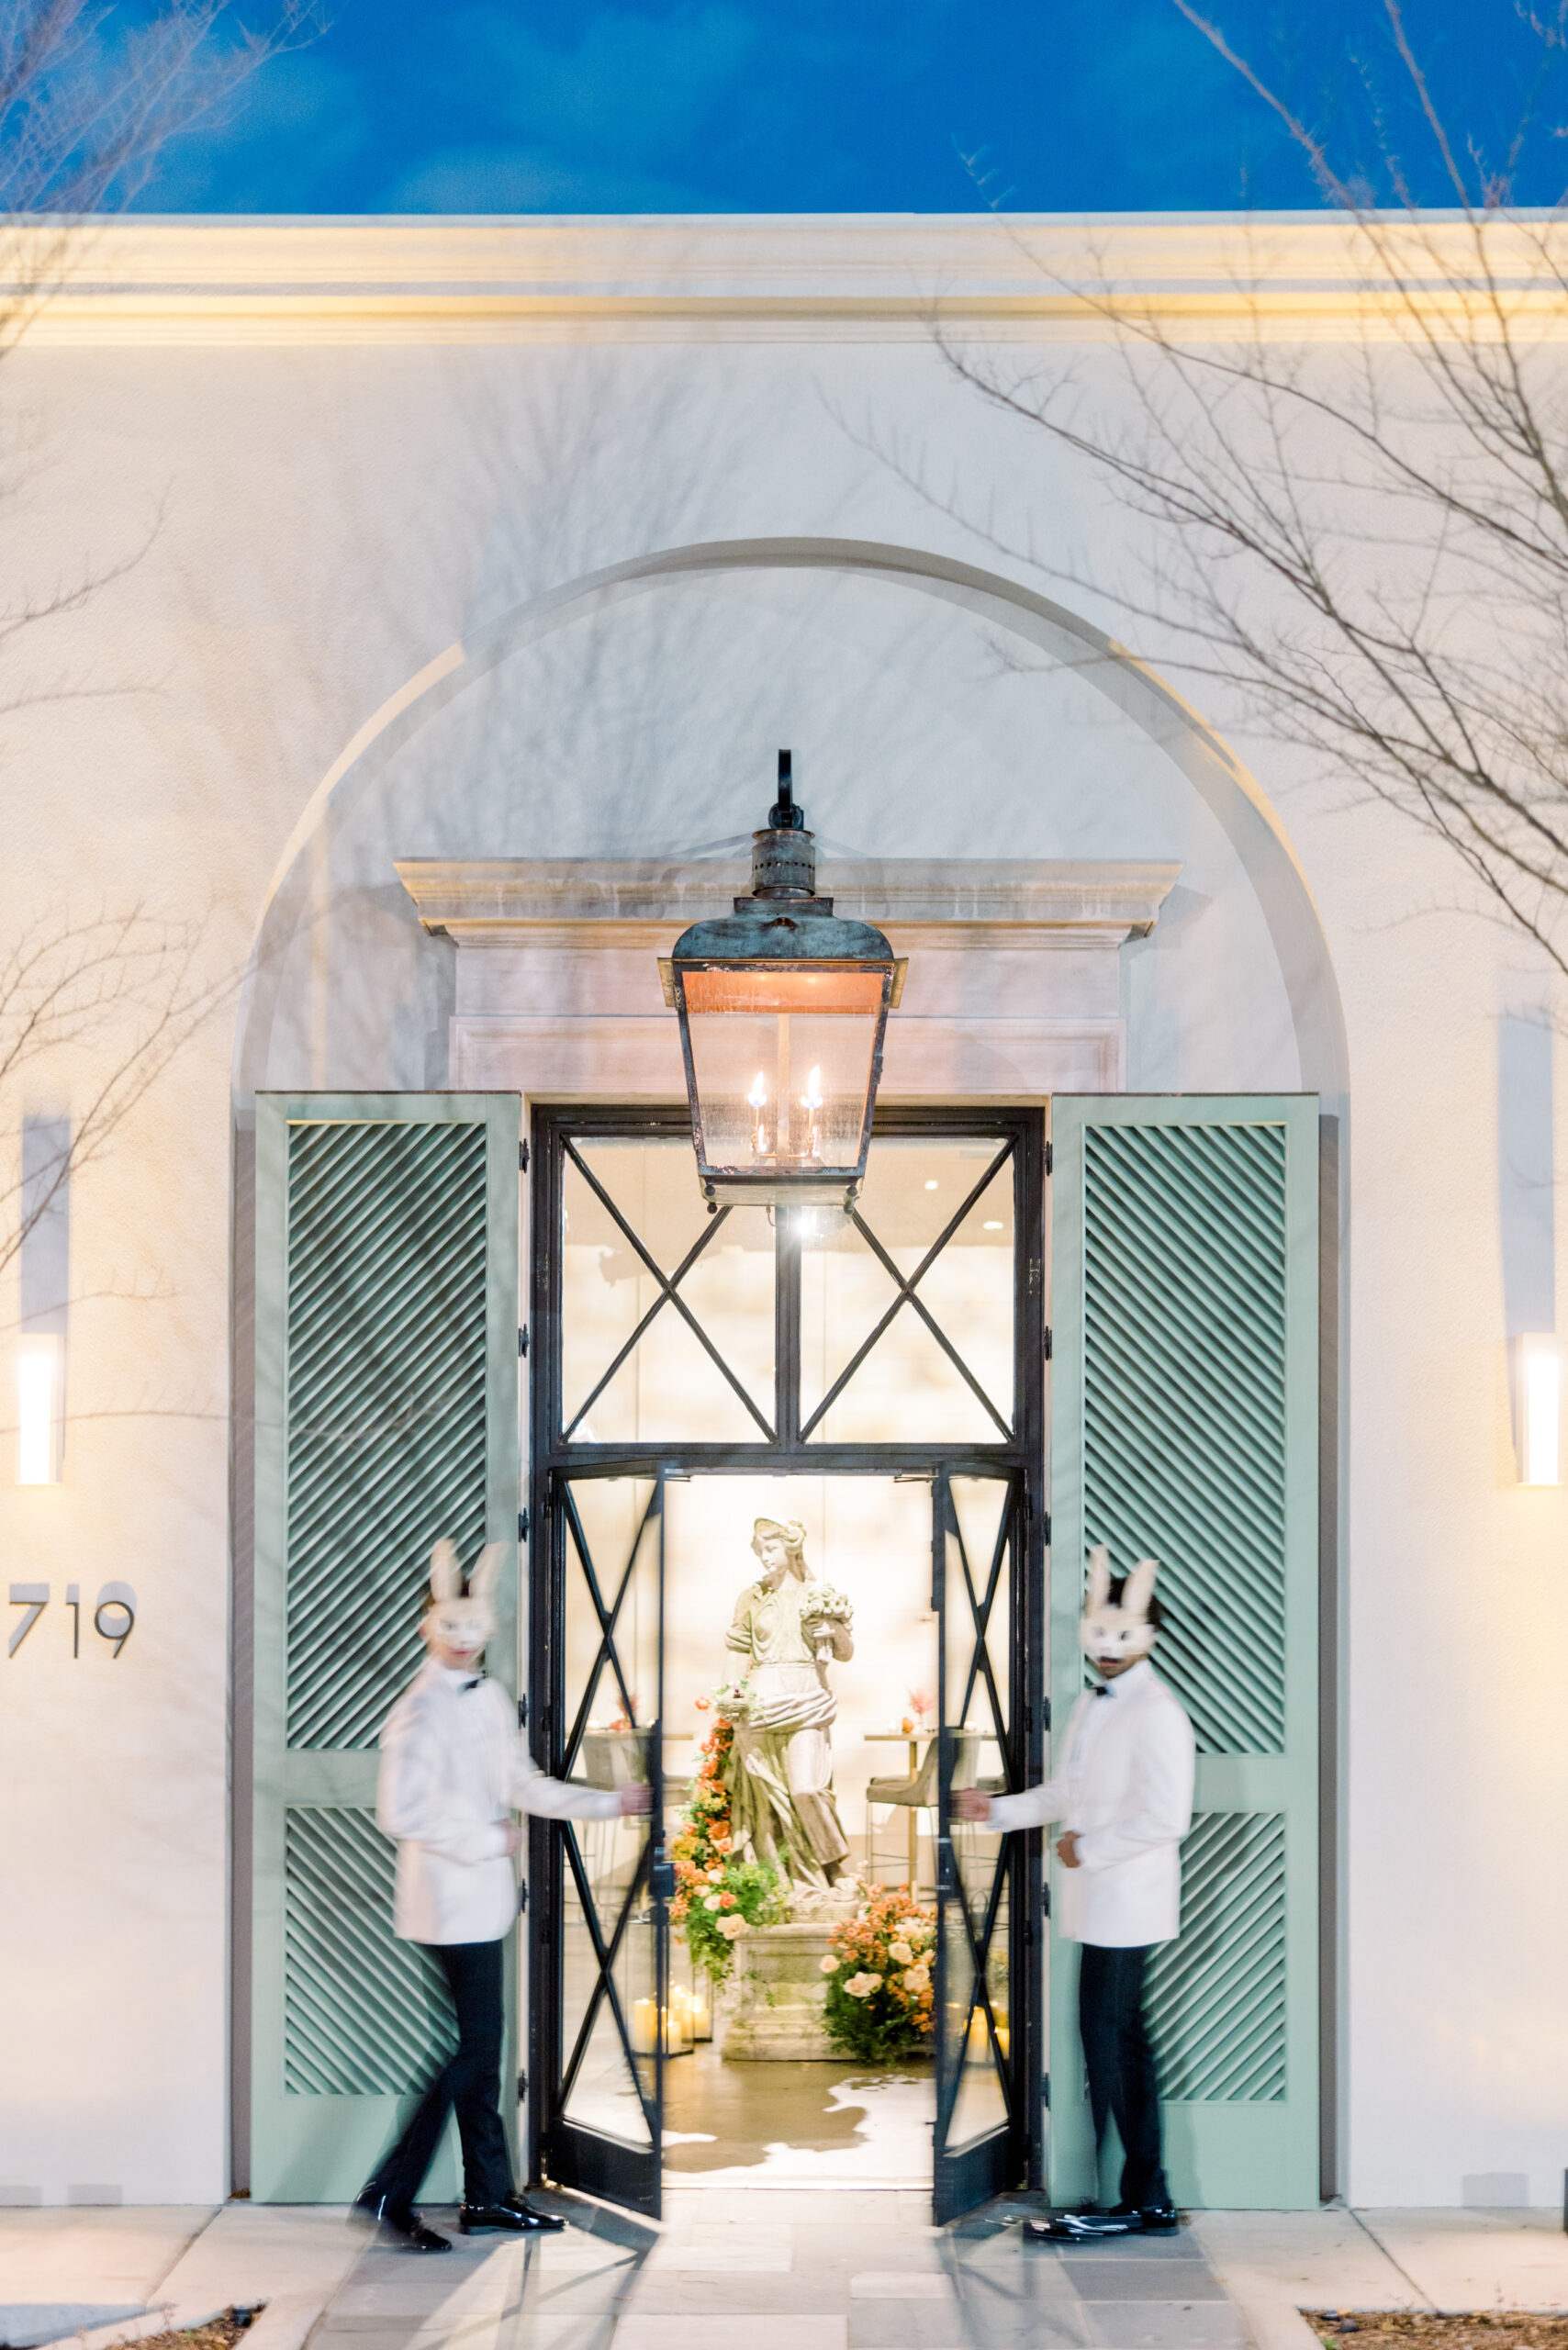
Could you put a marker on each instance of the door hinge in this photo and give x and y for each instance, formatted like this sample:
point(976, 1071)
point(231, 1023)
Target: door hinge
point(1045, 1897)
point(1047, 1342)
point(1048, 1533)
point(522, 1526)
point(522, 1340)
point(1050, 1158)
point(522, 1713)
point(1045, 1713)
point(523, 1158)
point(1045, 2091)
point(522, 1899)
point(521, 2086)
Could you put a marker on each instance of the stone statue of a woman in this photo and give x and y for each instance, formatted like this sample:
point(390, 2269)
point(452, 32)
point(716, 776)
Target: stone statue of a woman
point(779, 1771)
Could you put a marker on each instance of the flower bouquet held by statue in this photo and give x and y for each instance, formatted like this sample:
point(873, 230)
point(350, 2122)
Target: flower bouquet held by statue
point(825, 1604)
point(879, 1969)
point(719, 1894)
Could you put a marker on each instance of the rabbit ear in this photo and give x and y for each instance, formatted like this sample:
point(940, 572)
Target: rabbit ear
point(446, 1575)
point(1099, 1577)
point(486, 1567)
point(1139, 1589)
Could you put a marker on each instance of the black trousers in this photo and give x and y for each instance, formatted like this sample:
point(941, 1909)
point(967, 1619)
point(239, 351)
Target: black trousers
point(1119, 2059)
point(471, 2082)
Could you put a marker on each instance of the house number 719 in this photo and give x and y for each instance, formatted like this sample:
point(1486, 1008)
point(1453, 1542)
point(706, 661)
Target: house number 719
point(114, 1614)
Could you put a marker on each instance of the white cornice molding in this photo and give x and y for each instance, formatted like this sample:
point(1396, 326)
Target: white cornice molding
point(192, 281)
point(642, 902)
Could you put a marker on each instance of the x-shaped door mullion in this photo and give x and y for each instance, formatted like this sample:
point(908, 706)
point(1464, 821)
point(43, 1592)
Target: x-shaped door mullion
point(608, 1619)
point(980, 1661)
point(667, 1287)
point(657, 1307)
point(906, 1296)
point(605, 1954)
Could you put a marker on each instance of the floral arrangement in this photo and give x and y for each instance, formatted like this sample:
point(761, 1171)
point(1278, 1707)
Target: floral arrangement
point(824, 1603)
point(718, 1895)
point(879, 1971)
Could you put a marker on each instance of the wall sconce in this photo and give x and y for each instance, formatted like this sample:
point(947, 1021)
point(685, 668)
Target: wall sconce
point(1537, 1408)
point(41, 1408)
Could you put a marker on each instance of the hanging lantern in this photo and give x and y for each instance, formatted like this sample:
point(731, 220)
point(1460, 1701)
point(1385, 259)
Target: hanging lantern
point(783, 1007)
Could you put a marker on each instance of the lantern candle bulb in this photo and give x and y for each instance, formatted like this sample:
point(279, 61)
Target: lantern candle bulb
point(758, 1098)
point(810, 1102)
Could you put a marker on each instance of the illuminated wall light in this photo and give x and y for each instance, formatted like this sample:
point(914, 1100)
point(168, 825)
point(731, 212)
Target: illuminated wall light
point(41, 1421)
point(1537, 1409)
point(46, 1289)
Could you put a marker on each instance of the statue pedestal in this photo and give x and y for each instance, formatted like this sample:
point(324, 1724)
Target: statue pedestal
point(782, 1988)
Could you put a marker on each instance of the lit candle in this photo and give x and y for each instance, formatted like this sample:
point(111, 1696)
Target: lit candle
point(645, 2027)
point(758, 1098)
point(810, 1102)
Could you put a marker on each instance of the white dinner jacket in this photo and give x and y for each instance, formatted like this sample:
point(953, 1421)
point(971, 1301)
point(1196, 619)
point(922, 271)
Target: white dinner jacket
point(453, 1772)
point(1123, 1787)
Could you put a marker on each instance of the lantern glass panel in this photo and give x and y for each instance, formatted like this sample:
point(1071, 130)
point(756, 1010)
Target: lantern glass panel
point(782, 1063)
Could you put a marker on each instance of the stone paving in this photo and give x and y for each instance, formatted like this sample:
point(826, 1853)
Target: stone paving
point(806, 2271)
point(734, 2268)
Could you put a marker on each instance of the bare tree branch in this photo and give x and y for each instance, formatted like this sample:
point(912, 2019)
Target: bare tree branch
point(93, 1006)
point(1368, 538)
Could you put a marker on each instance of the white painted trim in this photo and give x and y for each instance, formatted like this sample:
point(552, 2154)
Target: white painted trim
point(578, 901)
point(189, 281)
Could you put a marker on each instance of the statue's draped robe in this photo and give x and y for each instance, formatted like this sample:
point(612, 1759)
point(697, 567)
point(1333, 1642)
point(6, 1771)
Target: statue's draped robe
point(779, 1771)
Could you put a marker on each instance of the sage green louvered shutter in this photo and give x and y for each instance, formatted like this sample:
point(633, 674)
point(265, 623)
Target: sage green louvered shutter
point(1184, 1240)
point(387, 1386)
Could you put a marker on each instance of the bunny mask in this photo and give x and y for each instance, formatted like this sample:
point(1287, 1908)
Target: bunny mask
point(1122, 1630)
point(461, 1620)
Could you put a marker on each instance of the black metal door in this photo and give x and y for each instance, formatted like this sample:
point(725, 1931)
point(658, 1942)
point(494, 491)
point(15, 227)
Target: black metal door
point(985, 1942)
point(599, 1946)
point(747, 1341)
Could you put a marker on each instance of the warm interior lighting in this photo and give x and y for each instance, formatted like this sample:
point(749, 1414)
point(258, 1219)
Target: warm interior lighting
point(1537, 1409)
point(38, 1411)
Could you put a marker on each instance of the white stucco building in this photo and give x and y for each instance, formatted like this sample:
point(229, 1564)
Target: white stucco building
point(464, 576)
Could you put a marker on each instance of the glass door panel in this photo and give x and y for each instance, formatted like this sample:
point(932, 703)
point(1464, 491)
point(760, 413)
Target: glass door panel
point(977, 1536)
point(666, 1314)
point(907, 1303)
point(606, 1877)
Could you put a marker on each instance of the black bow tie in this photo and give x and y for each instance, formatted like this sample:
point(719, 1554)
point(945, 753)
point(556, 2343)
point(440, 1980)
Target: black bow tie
point(474, 1684)
point(1101, 1689)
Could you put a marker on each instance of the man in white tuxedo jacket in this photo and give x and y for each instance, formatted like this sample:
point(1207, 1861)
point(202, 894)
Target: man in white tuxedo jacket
point(1123, 1789)
point(453, 1772)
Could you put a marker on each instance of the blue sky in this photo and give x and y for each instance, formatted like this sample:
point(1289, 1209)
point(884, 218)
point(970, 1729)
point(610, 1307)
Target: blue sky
point(859, 106)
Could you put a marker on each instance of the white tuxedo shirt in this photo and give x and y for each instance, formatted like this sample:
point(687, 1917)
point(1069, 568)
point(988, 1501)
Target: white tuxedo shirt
point(454, 1770)
point(1123, 1785)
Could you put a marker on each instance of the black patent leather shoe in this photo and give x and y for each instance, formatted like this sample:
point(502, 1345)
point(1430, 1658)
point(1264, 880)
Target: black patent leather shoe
point(1083, 2227)
point(404, 2229)
point(1159, 2220)
point(514, 2217)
